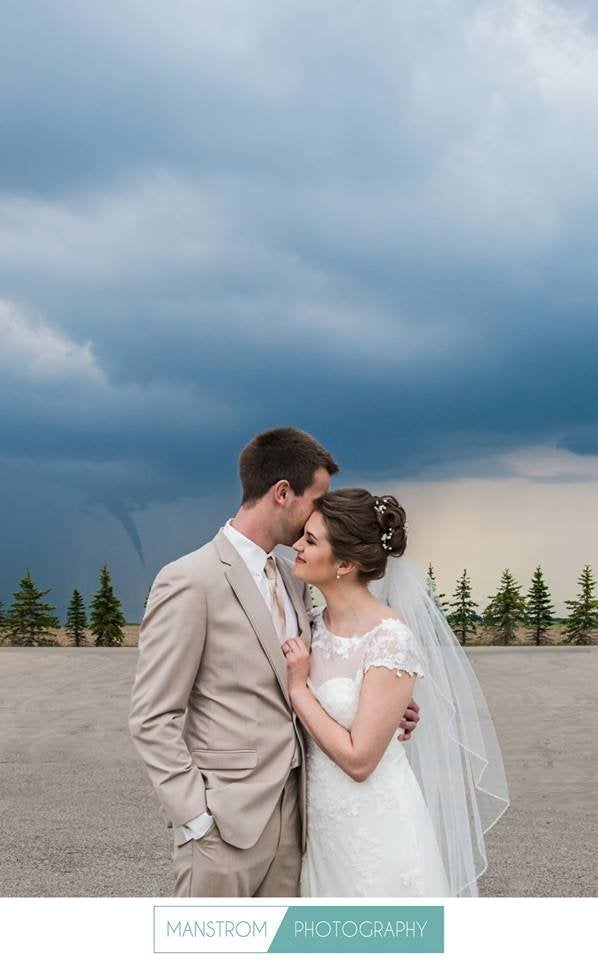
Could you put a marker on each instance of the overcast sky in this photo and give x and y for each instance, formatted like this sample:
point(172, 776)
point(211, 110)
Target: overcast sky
point(372, 220)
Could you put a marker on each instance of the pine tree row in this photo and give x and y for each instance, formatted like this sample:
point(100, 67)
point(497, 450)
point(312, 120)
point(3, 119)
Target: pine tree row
point(31, 622)
point(509, 609)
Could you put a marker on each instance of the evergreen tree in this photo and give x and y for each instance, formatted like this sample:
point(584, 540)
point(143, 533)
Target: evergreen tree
point(463, 617)
point(30, 621)
point(540, 611)
point(107, 619)
point(506, 609)
point(583, 618)
point(2, 621)
point(432, 587)
point(76, 619)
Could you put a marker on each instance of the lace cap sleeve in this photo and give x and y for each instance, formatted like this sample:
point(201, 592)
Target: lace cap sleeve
point(393, 645)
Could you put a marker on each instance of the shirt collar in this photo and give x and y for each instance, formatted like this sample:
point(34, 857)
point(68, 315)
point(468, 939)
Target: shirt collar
point(251, 553)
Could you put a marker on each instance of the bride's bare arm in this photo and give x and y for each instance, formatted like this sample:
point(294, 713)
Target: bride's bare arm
point(382, 703)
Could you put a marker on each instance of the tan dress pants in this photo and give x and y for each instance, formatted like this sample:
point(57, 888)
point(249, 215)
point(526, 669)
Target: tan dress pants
point(210, 867)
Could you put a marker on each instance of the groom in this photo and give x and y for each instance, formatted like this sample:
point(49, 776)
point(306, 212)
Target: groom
point(210, 711)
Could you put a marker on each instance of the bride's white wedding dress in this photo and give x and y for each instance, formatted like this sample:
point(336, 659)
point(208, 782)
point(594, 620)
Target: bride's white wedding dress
point(375, 838)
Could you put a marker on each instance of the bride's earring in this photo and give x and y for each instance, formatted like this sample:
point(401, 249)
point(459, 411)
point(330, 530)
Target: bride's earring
point(338, 576)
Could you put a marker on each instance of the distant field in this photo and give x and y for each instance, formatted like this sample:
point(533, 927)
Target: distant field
point(555, 637)
point(131, 632)
point(482, 639)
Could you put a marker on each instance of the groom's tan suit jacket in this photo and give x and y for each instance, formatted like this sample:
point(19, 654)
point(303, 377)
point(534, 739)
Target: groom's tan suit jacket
point(210, 711)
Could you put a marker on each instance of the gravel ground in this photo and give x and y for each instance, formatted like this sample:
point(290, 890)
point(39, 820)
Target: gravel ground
point(78, 816)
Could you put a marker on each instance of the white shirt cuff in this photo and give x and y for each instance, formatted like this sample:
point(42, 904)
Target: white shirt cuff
point(195, 828)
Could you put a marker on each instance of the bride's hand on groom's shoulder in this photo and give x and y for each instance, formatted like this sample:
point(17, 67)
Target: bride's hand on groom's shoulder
point(297, 657)
point(410, 721)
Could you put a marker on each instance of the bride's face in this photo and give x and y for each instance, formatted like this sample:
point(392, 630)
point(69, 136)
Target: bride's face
point(315, 562)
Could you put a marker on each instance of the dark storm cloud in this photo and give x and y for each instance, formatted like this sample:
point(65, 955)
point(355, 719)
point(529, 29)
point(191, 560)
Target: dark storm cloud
point(374, 221)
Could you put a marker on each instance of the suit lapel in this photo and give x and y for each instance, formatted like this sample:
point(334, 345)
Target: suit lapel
point(255, 608)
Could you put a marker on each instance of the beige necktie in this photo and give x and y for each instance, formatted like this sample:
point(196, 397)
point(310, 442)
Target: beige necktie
point(277, 605)
point(277, 598)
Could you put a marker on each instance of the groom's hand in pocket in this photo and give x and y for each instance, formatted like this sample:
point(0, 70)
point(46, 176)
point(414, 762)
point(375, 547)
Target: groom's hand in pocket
point(410, 720)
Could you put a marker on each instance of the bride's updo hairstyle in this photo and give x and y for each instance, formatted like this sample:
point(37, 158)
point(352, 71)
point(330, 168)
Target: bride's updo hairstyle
point(364, 529)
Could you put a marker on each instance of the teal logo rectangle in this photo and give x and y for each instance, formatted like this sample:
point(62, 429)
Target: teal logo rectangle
point(360, 930)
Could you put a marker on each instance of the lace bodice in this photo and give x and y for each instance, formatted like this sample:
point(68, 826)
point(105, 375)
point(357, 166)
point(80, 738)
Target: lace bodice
point(346, 660)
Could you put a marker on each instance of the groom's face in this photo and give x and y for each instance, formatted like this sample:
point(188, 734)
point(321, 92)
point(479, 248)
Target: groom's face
point(300, 507)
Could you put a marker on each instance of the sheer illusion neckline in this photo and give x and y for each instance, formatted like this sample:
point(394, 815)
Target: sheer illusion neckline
point(359, 636)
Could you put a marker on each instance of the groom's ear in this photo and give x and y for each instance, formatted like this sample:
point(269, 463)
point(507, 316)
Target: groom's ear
point(281, 491)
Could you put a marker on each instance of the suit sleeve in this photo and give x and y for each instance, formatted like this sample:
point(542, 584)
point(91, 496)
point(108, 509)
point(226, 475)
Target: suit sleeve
point(171, 642)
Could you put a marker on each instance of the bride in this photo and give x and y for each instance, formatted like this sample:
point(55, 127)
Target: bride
point(385, 817)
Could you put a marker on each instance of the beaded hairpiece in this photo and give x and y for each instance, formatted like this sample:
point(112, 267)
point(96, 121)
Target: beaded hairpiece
point(386, 535)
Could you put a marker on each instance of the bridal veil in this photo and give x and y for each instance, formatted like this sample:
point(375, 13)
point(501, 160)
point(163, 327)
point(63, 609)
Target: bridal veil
point(454, 752)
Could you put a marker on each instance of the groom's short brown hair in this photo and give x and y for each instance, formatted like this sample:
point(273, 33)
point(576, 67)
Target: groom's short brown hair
point(282, 454)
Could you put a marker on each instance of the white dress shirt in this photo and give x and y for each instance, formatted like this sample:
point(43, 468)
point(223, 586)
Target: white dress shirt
point(254, 558)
